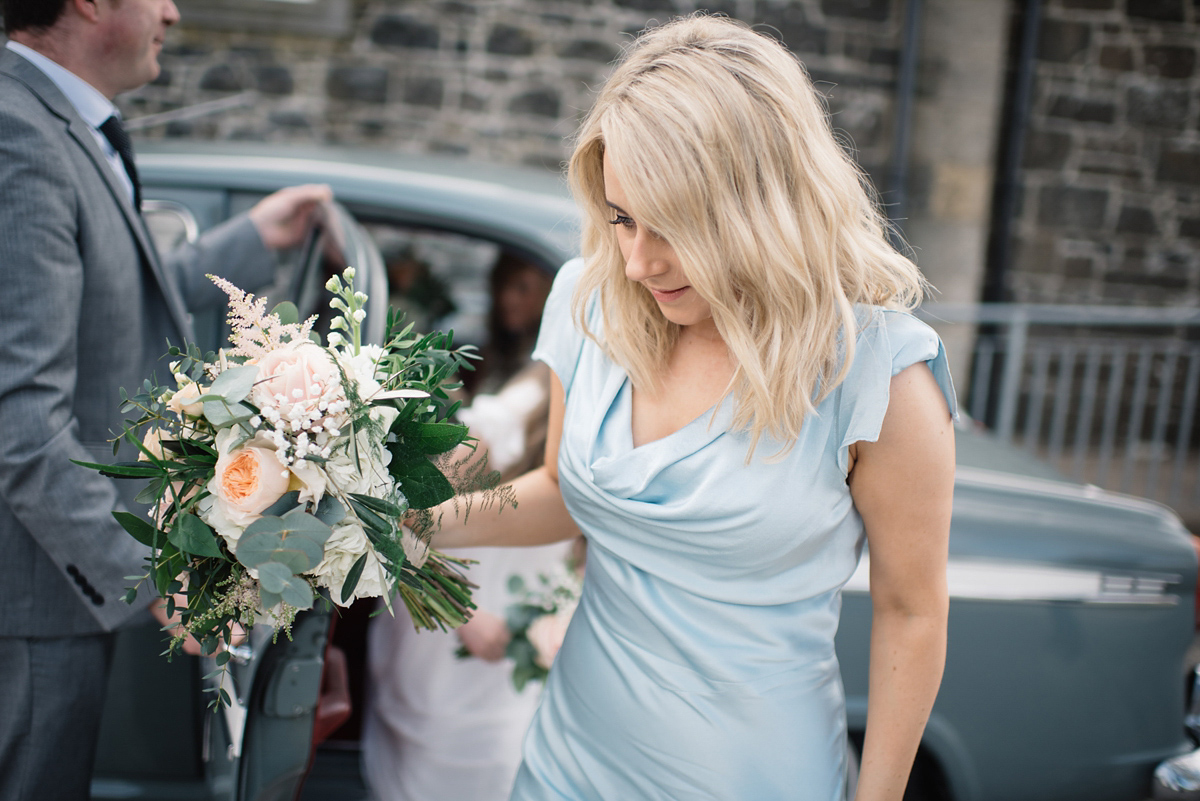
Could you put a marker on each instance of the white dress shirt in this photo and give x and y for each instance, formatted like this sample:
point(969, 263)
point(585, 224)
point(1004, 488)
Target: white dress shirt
point(92, 106)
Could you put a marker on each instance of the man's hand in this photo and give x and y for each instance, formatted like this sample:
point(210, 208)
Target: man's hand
point(485, 635)
point(284, 218)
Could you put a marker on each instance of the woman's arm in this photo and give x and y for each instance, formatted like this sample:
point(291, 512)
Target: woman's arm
point(902, 486)
point(540, 516)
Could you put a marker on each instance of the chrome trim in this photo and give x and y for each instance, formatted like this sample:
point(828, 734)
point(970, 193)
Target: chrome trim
point(191, 229)
point(996, 580)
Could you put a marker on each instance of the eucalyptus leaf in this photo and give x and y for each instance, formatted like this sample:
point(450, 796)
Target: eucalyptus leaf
point(278, 580)
point(235, 383)
point(296, 540)
point(286, 503)
point(287, 313)
point(267, 598)
point(222, 414)
point(330, 511)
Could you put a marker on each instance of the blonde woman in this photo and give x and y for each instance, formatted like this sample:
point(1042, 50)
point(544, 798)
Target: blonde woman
point(739, 400)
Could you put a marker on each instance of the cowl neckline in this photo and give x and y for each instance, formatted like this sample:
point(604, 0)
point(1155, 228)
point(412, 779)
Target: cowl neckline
point(624, 470)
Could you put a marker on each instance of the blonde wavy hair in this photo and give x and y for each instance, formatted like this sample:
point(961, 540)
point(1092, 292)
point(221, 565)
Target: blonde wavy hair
point(725, 150)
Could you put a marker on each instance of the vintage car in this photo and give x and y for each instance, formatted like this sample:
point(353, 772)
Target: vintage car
point(1072, 610)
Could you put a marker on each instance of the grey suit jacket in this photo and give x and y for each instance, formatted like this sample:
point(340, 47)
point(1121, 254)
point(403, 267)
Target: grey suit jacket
point(86, 307)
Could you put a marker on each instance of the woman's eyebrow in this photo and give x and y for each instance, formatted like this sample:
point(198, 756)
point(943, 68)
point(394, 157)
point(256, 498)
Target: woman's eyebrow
point(616, 208)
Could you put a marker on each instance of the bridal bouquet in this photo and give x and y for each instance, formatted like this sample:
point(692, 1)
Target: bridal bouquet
point(538, 622)
point(280, 469)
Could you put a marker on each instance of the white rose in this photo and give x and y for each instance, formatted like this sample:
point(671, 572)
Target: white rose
point(183, 401)
point(152, 442)
point(344, 547)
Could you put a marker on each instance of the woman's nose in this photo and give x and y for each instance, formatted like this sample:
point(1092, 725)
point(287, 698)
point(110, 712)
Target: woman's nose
point(645, 258)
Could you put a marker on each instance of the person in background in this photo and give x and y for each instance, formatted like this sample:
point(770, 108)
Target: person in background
point(438, 725)
point(87, 307)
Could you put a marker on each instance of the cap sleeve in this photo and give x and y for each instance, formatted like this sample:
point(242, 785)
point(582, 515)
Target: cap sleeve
point(560, 342)
point(888, 342)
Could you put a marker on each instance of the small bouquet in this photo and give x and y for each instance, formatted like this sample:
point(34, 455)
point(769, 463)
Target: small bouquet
point(281, 469)
point(538, 622)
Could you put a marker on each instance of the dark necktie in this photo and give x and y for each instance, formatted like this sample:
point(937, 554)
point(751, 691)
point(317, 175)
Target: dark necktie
point(115, 133)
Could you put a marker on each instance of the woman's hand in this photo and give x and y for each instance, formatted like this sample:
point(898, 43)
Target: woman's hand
point(485, 635)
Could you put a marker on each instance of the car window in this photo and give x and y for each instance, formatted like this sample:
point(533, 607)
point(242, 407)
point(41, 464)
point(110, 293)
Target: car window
point(439, 279)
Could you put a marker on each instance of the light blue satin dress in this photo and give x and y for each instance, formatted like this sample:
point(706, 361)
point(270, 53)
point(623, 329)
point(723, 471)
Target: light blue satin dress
point(700, 663)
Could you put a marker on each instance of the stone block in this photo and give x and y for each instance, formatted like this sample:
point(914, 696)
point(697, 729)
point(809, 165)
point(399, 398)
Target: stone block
point(1169, 61)
point(872, 10)
point(1072, 207)
point(294, 120)
point(648, 6)
point(397, 30)
point(1062, 41)
point(1179, 165)
point(273, 79)
point(539, 102)
point(472, 102)
point(1190, 227)
point(1137, 220)
point(1082, 109)
point(1090, 5)
point(790, 25)
point(221, 78)
point(507, 40)
point(364, 84)
point(1078, 267)
point(1046, 150)
point(589, 50)
point(1156, 10)
point(1156, 107)
point(1115, 58)
point(424, 91)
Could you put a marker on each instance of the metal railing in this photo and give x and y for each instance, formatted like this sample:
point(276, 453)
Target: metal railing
point(1106, 395)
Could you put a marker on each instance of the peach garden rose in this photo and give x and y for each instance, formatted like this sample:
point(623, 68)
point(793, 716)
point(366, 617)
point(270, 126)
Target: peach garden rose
point(247, 479)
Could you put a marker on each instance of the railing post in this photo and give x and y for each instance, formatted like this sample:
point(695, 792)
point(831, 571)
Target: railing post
point(1010, 384)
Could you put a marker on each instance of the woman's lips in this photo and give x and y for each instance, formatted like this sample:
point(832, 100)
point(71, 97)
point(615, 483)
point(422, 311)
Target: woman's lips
point(667, 295)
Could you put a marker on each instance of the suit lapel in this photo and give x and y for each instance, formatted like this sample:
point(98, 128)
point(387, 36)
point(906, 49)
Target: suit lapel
point(44, 89)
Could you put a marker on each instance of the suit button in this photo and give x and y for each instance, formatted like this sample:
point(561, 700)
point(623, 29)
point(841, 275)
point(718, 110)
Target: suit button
point(73, 572)
point(97, 598)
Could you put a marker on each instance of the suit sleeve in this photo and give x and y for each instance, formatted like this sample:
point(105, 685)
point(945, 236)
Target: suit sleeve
point(66, 509)
point(232, 250)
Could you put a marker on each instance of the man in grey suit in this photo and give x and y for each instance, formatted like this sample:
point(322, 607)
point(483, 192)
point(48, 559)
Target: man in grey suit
point(86, 307)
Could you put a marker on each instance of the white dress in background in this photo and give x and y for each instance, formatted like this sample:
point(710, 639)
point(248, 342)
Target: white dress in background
point(438, 727)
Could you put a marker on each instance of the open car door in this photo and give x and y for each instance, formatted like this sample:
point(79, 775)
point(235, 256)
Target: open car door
point(159, 740)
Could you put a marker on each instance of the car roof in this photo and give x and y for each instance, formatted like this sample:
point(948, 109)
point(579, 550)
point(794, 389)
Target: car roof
point(521, 207)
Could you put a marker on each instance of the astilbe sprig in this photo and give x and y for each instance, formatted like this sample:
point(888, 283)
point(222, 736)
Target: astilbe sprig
point(253, 332)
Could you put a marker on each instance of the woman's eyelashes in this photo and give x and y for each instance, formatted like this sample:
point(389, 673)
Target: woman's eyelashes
point(623, 220)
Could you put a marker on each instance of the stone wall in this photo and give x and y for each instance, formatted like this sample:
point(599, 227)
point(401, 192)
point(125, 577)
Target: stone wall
point(1110, 211)
point(504, 80)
